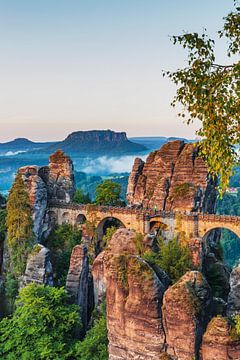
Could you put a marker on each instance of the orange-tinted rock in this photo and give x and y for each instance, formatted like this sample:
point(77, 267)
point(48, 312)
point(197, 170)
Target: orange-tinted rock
point(99, 280)
point(185, 315)
point(79, 282)
point(134, 298)
point(218, 344)
point(45, 184)
point(174, 177)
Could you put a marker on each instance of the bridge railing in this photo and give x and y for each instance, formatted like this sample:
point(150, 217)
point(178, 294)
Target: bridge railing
point(146, 213)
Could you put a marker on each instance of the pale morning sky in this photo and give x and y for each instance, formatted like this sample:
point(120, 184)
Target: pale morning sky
point(68, 65)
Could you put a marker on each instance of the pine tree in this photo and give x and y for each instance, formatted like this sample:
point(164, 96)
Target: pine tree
point(19, 225)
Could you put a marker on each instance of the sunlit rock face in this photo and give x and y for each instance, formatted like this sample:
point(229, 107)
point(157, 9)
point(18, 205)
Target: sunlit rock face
point(134, 293)
point(39, 267)
point(218, 343)
point(185, 310)
point(174, 177)
point(45, 184)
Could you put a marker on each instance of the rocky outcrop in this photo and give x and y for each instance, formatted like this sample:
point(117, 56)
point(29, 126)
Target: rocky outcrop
point(185, 313)
point(54, 182)
point(79, 282)
point(218, 343)
point(39, 267)
point(233, 302)
point(174, 177)
point(37, 191)
point(99, 280)
point(134, 297)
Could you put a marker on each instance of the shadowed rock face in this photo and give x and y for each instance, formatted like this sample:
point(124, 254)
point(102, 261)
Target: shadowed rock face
point(48, 183)
point(233, 305)
point(218, 343)
point(79, 282)
point(174, 177)
point(185, 314)
point(39, 267)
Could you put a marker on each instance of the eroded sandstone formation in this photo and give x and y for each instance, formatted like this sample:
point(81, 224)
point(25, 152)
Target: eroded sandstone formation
point(218, 343)
point(79, 282)
point(233, 303)
point(185, 310)
point(39, 267)
point(174, 177)
point(54, 182)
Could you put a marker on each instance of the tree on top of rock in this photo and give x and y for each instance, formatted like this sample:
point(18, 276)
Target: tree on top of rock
point(19, 225)
point(108, 193)
point(209, 92)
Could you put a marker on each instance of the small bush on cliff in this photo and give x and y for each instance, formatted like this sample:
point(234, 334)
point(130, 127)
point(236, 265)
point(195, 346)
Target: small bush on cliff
point(173, 257)
point(19, 225)
point(61, 242)
point(107, 237)
point(81, 198)
point(108, 193)
point(42, 326)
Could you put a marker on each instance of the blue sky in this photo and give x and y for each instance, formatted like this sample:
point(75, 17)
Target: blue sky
point(68, 65)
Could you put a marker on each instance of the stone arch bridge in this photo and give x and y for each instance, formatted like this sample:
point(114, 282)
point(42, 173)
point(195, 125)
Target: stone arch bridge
point(192, 225)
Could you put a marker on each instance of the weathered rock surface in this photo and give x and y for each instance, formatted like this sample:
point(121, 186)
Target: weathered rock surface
point(99, 280)
point(174, 177)
point(79, 282)
point(134, 298)
point(185, 315)
point(37, 191)
point(48, 183)
point(218, 344)
point(233, 303)
point(39, 267)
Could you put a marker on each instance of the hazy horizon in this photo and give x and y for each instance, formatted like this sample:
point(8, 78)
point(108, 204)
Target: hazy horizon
point(69, 65)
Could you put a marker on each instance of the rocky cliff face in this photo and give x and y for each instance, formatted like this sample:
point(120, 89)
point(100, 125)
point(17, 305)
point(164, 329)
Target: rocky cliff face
point(218, 344)
point(174, 177)
point(185, 309)
point(39, 267)
point(134, 297)
point(79, 282)
point(54, 182)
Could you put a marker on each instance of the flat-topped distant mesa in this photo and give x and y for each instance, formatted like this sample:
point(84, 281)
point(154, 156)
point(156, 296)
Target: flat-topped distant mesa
point(98, 141)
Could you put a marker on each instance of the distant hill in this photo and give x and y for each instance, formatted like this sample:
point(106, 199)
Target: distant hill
point(21, 145)
point(98, 142)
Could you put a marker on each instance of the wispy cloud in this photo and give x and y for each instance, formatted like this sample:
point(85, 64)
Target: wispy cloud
point(107, 165)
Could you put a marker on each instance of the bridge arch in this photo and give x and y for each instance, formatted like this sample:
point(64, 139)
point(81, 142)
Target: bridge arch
point(80, 219)
point(107, 222)
point(65, 217)
point(157, 226)
point(52, 218)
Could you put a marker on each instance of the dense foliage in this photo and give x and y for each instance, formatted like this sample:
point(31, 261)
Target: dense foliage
point(42, 326)
point(108, 193)
point(209, 92)
point(173, 257)
point(61, 242)
point(94, 345)
point(19, 225)
point(81, 198)
point(107, 237)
